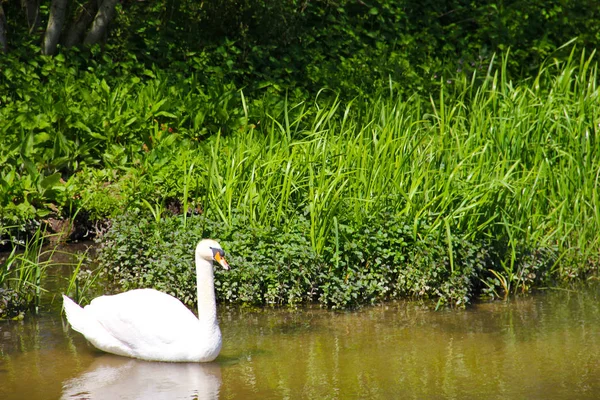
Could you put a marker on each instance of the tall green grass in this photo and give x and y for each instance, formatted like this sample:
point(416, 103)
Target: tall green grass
point(510, 166)
point(21, 274)
point(83, 281)
point(487, 158)
point(514, 164)
point(24, 273)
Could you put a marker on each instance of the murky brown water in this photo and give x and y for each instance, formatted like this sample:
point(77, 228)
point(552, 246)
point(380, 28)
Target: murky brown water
point(542, 347)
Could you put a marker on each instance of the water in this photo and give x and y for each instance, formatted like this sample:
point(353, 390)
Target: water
point(541, 347)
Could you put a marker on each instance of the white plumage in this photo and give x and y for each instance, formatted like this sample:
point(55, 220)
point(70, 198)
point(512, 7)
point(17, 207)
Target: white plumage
point(151, 325)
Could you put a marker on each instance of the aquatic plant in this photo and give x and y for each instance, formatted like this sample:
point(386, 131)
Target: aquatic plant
point(507, 170)
point(83, 281)
point(21, 274)
point(510, 167)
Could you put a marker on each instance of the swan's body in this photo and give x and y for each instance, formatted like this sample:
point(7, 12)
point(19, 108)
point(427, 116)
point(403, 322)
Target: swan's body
point(155, 326)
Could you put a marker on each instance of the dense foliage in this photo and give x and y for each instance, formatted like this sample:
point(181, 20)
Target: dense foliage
point(490, 189)
point(346, 152)
point(345, 45)
point(378, 260)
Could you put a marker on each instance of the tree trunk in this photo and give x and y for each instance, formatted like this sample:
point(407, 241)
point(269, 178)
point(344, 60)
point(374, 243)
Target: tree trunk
point(55, 24)
point(3, 43)
point(100, 25)
point(32, 10)
point(84, 19)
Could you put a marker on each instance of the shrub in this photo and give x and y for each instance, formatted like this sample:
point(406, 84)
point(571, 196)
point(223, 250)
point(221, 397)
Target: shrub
point(379, 260)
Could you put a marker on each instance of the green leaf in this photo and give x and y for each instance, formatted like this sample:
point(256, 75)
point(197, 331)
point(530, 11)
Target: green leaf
point(42, 212)
point(158, 105)
point(41, 137)
point(104, 86)
point(9, 177)
point(30, 167)
point(27, 145)
point(50, 181)
point(165, 114)
point(131, 121)
point(97, 135)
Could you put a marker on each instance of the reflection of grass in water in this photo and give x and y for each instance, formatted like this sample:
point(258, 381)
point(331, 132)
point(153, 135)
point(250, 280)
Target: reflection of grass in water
point(543, 345)
point(36, 357)
point(498, 350)
point(240, 357)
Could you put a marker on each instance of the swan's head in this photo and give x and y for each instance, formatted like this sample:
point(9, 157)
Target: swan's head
point(211, 251)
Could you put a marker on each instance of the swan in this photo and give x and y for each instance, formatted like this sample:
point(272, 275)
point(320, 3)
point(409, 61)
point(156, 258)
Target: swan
point(154, 326)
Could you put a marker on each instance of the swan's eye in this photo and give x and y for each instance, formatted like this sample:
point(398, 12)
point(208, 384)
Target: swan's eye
point(219, 256)
point(217, 253)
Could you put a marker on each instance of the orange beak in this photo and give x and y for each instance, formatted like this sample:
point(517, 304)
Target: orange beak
point(222, 261)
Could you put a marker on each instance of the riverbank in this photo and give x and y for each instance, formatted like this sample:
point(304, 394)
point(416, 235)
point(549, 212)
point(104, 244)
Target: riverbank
point(486, 188)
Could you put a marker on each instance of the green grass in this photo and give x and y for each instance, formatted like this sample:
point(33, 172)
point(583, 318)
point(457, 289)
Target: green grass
point(83, 281)
point(24, 273)
point(511, 165)
point(512, 168)
point(21, 275)
point(496, 159)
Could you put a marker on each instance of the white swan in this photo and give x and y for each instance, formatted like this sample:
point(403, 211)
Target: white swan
point(152, 325)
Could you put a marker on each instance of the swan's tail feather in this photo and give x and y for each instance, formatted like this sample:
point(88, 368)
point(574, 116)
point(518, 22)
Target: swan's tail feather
point(75, 315)
point(92, 329)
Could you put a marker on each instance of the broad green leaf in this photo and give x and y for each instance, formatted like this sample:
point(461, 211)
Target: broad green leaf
point(41, 137)
point(50, 181)
point(30, 167)
point(104, 86)
point(27, 144)
point(165, 114)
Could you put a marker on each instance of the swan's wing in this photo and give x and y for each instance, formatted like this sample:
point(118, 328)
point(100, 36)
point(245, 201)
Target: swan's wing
point(143, 318)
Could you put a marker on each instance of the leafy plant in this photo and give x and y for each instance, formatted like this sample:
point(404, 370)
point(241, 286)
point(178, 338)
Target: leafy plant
point(511, 166)
point(83, 280)
point(21, 275)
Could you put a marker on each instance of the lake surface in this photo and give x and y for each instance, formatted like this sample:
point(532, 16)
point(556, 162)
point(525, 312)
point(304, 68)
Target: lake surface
point(540, 347)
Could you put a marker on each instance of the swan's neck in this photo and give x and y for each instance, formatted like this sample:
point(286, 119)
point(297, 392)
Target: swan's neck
point(207, 304)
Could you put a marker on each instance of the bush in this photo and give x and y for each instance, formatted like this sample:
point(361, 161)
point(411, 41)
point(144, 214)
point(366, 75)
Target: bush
point(277, 266)
point(487, 169)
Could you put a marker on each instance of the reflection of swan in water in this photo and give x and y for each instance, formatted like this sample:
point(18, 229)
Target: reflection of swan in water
point(112, 377)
